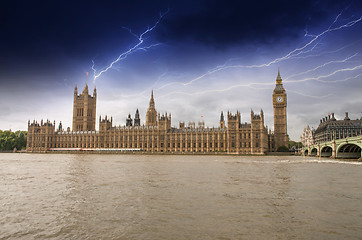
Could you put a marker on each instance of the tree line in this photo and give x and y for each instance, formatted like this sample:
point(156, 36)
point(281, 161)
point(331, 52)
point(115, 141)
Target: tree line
point(10, 140)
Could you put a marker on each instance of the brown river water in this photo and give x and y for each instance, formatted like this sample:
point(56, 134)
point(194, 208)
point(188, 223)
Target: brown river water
point(108, 196)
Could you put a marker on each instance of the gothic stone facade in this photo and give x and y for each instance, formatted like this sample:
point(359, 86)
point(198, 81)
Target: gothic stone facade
point(157, 135)
point(307, 138)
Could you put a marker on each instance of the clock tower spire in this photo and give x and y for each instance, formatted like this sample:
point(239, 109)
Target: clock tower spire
point(280, 114)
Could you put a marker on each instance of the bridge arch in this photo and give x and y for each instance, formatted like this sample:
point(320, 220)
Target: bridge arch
point(349, 150)
point(326, 151)
point(306, 152)
point(314, 152)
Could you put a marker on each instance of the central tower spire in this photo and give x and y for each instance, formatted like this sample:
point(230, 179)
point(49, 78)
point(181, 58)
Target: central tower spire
point(152, 101)
point(151, 116)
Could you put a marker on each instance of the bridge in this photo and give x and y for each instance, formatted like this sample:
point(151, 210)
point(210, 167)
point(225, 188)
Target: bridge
point(340, 148)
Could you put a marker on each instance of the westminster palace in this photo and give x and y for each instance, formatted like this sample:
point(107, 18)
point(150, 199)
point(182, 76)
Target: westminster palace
point(157, 135)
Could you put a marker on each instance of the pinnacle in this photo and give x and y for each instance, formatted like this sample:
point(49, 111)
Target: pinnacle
point(278, 74)
point(279, 78)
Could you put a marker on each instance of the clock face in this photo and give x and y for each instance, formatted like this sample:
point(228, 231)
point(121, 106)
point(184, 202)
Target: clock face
point(279, 99)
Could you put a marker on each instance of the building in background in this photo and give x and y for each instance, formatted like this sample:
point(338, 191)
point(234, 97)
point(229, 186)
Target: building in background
point(157, 135)
point(331, 129)
point(307, 138)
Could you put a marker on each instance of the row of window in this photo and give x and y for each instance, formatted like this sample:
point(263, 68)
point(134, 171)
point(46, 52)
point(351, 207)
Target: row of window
point(154, 137)
point(329, 136)
point(150, 145)
point(143, 145)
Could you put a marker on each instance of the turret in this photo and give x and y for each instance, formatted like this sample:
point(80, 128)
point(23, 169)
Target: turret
point(259, 141)
point(129, 121)
point(234, 121)
point(222, 121)
point(164, 122)
point(85, 90)
point(105, 124)
point(40, 137)
point(137, 120)
point(60, 127)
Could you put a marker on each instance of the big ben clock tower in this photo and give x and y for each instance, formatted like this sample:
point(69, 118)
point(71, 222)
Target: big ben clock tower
point(280, 114)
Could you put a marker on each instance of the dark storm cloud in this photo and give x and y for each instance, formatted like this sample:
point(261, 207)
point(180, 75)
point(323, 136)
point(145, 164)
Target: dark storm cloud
point(53, 35)
point(221, 23)
point(58, 39)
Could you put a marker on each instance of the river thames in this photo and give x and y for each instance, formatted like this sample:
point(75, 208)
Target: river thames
point(91, 196)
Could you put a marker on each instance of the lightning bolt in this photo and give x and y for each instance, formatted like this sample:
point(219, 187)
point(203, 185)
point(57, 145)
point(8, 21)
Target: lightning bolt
point(254, 84)
point(328, 52)
point(250, 85)
point(318, 79)
point(311, 96)
point(294, 53)
point(298, 52)
point(271, 84)
point(335, 20)
point(93, 69)
point(144, 93)
point(133, 49)
point(323, 65)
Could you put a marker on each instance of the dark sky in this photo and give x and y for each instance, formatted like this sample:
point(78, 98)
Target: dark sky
point(42, 36)
point(48, 46)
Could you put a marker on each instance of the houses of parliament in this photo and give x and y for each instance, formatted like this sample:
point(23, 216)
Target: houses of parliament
point(157, 135)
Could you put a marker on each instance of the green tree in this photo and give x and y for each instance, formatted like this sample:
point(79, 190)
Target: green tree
point(294, 145)
point(10, 140)
point(21, 139)
point(283, 149)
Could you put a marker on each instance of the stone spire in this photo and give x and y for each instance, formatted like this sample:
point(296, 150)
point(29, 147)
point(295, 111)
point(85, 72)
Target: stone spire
point(129, 121)
point(86, 88)
point(137, 121)
point(151, 116)
point(60, 127)
point(152, 101)
point(222, 120)
point(279, 78)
